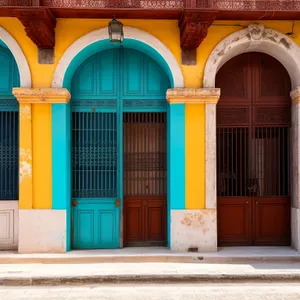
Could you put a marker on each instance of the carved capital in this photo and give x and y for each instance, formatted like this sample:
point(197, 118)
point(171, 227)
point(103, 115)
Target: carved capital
point(42, 95)
point(39, 25)
point(193, 28)
point(193, 96)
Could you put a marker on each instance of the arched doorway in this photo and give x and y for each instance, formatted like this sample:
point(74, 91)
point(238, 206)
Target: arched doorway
point(253, 149)
point(9, 149)
point(118, 117)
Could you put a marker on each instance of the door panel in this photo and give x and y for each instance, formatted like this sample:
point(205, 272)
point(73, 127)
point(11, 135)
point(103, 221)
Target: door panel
point(253, 146)
point(272, 221)
point(234, 221)
point(155, 215)
point(95, 223)
point(145, 221)
point(133, 216)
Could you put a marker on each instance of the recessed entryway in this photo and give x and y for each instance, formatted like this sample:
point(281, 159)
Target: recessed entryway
point(253, 150)
point(119, 150)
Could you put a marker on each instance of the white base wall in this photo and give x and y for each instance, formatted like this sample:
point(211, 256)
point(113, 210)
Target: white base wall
point(42, 231)
point(9, 213)
point(194, 228)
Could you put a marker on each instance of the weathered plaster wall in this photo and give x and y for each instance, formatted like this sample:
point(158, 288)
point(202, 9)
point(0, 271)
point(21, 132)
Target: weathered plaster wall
point(42, 230)
point(194, 229)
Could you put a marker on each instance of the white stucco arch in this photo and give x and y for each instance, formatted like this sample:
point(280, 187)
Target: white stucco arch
point(254, 38)
point(129, 33)
point(12, 44)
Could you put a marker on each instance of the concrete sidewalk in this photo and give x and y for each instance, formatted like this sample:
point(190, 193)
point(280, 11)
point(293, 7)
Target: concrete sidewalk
point(79, 274)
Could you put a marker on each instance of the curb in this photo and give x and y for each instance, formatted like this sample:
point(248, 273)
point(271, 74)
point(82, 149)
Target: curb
point(145, 259)
point(147, 279)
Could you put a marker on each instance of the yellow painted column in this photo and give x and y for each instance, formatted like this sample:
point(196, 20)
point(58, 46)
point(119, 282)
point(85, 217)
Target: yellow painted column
point(27, 97)
point(195, 155)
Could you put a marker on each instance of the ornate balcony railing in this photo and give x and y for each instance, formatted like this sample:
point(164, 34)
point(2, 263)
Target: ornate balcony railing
point(222, 5)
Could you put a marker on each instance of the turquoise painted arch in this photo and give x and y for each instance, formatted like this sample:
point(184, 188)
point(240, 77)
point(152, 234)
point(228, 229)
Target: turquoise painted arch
point(61, 140)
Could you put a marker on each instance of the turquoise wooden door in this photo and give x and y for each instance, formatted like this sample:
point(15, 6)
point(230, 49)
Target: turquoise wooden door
point(106, 85)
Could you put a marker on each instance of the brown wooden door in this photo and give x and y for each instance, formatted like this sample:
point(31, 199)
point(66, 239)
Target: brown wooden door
point(253, 121)
point(145, 201)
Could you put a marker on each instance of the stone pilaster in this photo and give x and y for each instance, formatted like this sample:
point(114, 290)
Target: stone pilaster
point(36, 227)
point(195, 226)
point(295, 168)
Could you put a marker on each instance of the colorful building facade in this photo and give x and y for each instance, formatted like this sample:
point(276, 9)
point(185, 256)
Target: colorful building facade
point(186, 135)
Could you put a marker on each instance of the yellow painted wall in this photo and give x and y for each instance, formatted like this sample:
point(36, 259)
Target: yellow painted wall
point(67, 31)
point(195, 154)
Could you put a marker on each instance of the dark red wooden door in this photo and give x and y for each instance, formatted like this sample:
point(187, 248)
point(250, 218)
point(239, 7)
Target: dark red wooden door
point(253, 121)
point(145, 179)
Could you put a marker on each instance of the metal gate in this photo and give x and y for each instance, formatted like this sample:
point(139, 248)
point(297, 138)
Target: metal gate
point(9, 154)
point(94, 179)
point(253, 121)
point(145, 178)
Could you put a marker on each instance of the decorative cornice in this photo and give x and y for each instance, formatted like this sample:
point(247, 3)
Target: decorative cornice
point(193, 96)
point(295, 95)
point(42, 95)
point(39, 25)
point(193, 28)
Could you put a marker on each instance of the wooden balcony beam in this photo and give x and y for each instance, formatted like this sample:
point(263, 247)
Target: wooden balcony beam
point(39, 25)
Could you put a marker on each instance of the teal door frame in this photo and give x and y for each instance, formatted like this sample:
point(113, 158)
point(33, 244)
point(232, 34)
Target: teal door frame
point(61, 139)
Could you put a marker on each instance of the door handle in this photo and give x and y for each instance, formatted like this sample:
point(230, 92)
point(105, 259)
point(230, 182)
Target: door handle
point(74, 203)
point(118, 203)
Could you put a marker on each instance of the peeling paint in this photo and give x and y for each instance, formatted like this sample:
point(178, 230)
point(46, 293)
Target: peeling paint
point(221, 53)
point(285, 43)
point(25, 164)
point(25, 112)
point(194, 229)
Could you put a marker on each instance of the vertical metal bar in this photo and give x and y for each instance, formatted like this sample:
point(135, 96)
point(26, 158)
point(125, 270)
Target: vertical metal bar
point(102, 173)
point(76, 149)
point(246, 161)
point(236, 162)
point(13, 155)
point(17, 152)
point(2, 153)
point(131, 134)
point(219, 163)
point(124, 154)
point(278, 159)
point(94, 154)
point(107, 157)
point(6, 145)
point(79, 156)
point(241, 193)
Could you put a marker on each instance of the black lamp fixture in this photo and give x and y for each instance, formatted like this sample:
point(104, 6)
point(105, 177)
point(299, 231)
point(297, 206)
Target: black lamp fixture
point(115, 31)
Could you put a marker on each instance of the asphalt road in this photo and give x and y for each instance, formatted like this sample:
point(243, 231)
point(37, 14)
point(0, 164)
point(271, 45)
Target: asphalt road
point(263, 291)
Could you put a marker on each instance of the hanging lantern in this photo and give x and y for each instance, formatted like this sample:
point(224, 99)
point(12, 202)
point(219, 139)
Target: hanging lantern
point(115, 31)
